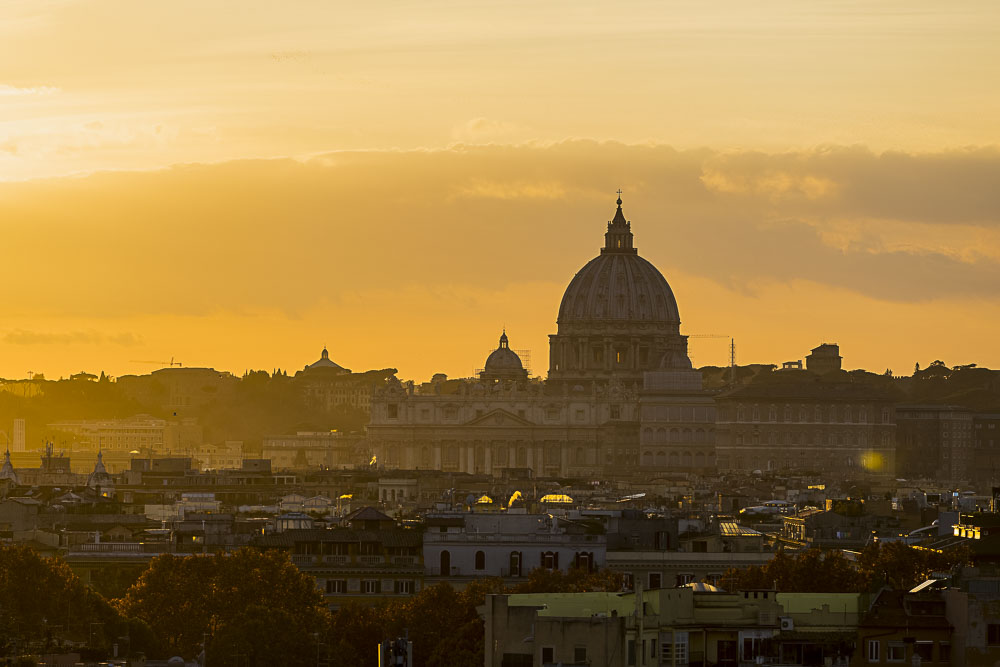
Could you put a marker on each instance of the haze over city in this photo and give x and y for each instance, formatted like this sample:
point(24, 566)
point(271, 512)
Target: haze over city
point(398, 183)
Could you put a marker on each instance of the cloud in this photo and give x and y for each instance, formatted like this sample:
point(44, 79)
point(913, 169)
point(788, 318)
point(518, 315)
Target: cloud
point(23, 337)
point(11, 91)
point(488, 130)
point(293, 235)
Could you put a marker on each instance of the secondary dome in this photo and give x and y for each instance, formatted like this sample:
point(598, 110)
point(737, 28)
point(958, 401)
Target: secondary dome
point(619, 287)
point(503, 363)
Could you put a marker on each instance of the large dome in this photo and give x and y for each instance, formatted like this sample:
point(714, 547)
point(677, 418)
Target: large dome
point(618, 318)
point(619, 286)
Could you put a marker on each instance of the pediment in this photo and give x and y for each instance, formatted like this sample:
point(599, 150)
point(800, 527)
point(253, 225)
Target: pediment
point(499, 417)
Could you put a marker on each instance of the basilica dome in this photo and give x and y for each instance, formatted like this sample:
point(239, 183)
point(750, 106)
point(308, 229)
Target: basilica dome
point(619, 287)
point(618, 318)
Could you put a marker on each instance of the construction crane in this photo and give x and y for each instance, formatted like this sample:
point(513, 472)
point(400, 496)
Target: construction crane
point(170, 363)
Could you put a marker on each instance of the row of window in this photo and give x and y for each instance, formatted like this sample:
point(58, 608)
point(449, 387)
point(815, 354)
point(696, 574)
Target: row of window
point(895, 651)
point(844, 414)
point(813, 437)
point(371, 586)
point(650, 435)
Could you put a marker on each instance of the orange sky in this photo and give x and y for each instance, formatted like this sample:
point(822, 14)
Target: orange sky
point(398, 182)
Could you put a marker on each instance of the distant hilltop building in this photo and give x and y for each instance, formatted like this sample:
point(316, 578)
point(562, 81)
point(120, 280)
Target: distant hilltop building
point(328, 385)
point(620, 394)
point(179, 389)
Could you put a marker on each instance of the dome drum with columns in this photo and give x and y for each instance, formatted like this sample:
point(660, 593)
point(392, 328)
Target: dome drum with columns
point(618, 317)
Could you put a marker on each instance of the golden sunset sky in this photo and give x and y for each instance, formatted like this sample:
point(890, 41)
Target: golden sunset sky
point(238, 184)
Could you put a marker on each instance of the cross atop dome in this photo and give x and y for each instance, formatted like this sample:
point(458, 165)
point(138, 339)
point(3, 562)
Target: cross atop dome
point(618, 238)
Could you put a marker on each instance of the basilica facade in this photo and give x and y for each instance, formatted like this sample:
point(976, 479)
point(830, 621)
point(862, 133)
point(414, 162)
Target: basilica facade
point(621, 397)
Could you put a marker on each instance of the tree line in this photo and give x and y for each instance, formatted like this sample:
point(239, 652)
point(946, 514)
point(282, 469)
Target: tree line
point(246, 608)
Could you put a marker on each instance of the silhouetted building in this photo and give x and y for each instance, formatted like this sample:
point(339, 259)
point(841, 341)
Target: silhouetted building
point(328, 385)
point(824, 359)
point(934, 441)
point(797, 420)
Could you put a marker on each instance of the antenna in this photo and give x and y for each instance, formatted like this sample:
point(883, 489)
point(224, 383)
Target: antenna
point(732, 361)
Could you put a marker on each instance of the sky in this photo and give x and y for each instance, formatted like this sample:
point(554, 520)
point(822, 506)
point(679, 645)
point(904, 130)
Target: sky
point(237, 186)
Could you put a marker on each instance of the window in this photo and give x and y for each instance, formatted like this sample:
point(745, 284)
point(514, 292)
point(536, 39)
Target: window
point(515, 563)
point(674, 648)
point(548, 655)
point(925, 650)
point(392, 410)
point(336, 586)
point(874, 650)
point(480, 560)
point(550, 560)
point(580, 415)
point(580, 655)
point(628, 581)
point(616, 412)
point(753, 647)
point(944, 652)
point(631, 652)
point(993, 634)
point(895, 652)
point(404, 586)
point(654, 580)
point(370, 586)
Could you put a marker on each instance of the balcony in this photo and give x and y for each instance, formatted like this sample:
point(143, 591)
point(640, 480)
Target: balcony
point(341, 559)
point(371, 560)
point(404, 560)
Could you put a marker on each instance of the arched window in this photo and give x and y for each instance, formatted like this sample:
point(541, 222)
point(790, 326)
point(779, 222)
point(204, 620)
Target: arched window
point(661, 458)
point(647, 458)
point(480, 560)
point(445, 563)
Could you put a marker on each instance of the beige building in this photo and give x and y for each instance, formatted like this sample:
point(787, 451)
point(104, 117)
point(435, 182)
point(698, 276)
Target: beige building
point(792, 419)
point(140, 433)
point(617, 332)
point(315, 450)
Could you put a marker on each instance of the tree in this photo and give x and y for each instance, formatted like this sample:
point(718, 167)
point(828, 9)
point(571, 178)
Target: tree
point(900, 566)
point(811, 571)
point(42, 601)
point(240, 600)
point(894, 564)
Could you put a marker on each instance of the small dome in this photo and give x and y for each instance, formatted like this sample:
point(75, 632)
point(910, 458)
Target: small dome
point(326, 363)
point(503, 363)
